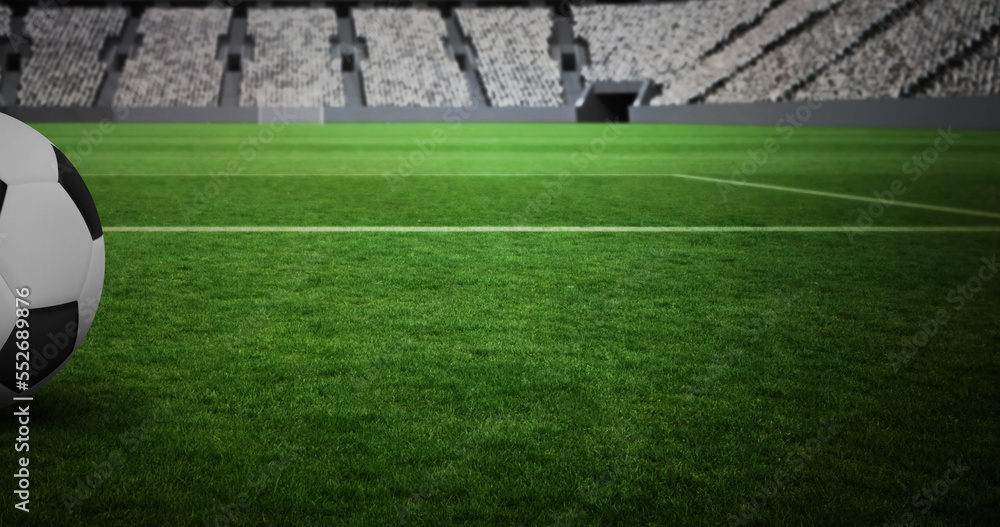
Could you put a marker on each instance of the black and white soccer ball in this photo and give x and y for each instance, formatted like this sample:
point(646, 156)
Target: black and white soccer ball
point(51, 257)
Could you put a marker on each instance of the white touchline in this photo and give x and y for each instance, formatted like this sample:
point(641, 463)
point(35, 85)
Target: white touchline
point(821, 229)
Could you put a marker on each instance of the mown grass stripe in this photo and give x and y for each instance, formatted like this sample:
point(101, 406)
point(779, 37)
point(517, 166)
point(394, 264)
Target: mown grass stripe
point(729, 182)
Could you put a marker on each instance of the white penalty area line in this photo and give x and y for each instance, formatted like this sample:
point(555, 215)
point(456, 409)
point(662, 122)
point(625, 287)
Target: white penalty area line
point(793, 229)
point(894, 203)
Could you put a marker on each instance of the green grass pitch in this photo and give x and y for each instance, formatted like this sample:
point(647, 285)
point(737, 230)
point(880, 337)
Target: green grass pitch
point(734, 376)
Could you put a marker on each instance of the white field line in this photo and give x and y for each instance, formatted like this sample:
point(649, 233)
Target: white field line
point(896, 203)
point(822, 229)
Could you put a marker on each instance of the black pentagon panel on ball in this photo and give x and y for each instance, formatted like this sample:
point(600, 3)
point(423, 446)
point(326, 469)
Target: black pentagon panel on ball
point(51, 339)
point(71, 180)
point(3, 192)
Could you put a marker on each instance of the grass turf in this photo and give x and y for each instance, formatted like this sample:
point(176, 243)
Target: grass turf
point(521, 378)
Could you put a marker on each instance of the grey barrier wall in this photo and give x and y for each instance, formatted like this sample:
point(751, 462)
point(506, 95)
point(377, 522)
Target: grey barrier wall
point(963, 112)
point(483, 114)
point(968, 113)
point(220, 114)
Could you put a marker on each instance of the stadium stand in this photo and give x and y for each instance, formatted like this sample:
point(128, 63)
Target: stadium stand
point(893, 62)
point(512, 52)
point(407, 64)
point(176, 64)
point(776, 74)
point(979, 74)
point(696, 80)
point(712, 51)
point(293, 65)
point(4, 26)
point(657, 41)
point(4, 20)
point(65, 67)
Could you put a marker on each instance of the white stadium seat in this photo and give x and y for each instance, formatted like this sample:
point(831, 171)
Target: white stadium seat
point(293, 65)
point(512, 51)
point(65, 68)
point(407, 64)
point(176, 64)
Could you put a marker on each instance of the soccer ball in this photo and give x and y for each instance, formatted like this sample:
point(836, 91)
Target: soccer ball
point(51, 260)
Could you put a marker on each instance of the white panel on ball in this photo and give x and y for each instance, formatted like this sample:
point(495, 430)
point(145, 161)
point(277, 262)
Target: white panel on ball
point(90, 297)
point(48, 245)
point(25, 155)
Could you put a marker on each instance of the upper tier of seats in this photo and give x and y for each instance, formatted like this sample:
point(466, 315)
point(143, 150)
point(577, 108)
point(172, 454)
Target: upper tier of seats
point(979, 74)
point(893, 62)
point(657, 41)
point(700, 76)
point(776, 74)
